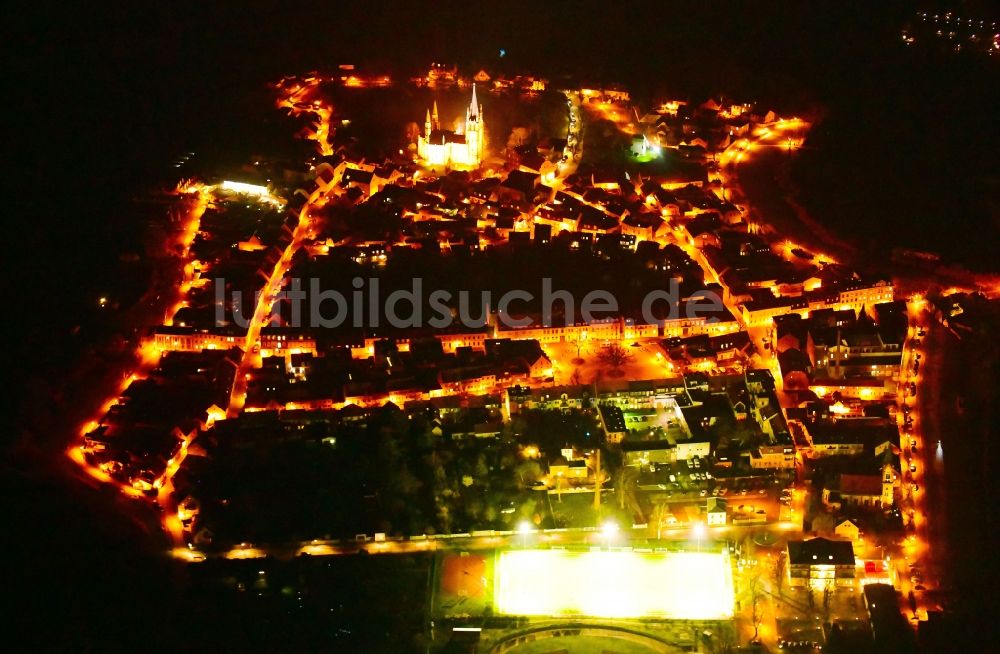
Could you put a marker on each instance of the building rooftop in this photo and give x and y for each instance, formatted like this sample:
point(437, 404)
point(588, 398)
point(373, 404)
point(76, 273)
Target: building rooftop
point(820, 551)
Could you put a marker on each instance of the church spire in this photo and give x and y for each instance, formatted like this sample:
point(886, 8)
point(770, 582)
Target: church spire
point(434, 116)
point(474, 106)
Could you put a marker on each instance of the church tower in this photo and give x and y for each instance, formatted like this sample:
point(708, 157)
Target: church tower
point(427, 125)
point(474, 129)
point(435, 123)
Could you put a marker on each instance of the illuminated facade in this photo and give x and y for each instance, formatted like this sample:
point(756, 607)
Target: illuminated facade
point(463, 147)
point(820, 563)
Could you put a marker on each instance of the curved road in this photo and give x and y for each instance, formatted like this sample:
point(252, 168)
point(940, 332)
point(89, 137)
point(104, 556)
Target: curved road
point(759, 180)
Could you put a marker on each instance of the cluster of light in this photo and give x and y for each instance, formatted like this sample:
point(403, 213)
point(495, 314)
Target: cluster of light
point(670, 107)
point(295, 95)
point(610, 584)
point(839, 408)
point(245, 551)
point(254, 190)
point(243, 187)
point(148, 354)
point(187, 554)
point(202, 197)
point(609, 111)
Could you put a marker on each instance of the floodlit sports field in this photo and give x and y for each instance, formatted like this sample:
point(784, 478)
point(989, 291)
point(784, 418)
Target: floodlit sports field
point(608, 584)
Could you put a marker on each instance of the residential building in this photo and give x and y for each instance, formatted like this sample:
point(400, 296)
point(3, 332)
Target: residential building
point(550, 397)
point(819, 562)
point(574, 469)
point(889, 627)
point(644, 454)
point(613, 423)
point(847, 530)
point(773, 457)
point(715, 512)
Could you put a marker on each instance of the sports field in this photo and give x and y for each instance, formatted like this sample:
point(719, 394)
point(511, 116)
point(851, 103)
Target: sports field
point(613, 584)
point(464, 584)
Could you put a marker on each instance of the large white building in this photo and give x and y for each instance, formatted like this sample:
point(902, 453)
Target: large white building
point(463, 147)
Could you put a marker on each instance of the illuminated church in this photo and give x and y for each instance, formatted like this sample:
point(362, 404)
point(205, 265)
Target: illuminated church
point(463, 147)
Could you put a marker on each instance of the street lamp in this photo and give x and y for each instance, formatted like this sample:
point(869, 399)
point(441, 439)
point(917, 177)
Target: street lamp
point(524, 528)
point(698, 531)
point(609, 529)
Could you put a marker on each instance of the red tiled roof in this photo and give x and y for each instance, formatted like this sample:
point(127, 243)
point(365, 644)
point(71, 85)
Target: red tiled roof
point(860, 485)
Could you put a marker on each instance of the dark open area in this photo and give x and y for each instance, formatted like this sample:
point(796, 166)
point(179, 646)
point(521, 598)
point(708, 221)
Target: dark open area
point(907, 158)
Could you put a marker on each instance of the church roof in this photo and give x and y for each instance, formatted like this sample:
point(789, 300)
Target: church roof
point(870, 485)
point(442, 136)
